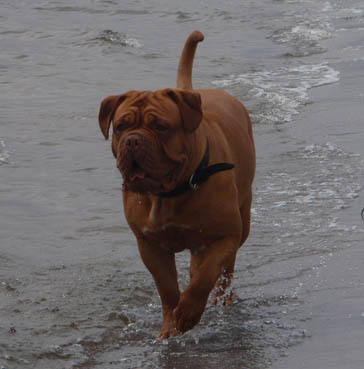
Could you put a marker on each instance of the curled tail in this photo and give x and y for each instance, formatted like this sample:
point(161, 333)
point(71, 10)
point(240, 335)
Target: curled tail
point(184, 76)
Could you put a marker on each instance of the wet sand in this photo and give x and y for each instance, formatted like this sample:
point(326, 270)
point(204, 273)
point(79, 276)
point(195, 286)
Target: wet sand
point(337, 317)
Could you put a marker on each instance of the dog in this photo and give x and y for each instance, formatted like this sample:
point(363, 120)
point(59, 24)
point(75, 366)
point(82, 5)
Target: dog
point(187, 159)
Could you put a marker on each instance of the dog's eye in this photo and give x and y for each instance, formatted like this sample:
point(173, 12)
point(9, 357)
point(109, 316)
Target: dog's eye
point(121, 127)
point(162, 128)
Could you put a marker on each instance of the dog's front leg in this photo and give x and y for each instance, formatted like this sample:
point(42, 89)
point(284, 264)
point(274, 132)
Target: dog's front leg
point(207, 264)
point(162, 266)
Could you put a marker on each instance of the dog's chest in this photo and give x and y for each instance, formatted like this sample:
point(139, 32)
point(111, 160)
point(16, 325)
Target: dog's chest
point(176, 237)
point(170, 226)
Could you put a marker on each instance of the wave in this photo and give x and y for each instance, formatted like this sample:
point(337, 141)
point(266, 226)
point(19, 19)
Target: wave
point(304, 37)
point(279, 94)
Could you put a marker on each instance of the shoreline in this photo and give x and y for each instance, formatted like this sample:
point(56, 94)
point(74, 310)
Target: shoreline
point(337, 316)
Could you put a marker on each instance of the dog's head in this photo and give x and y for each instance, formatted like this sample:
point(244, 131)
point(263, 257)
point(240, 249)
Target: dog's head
point(152, 138)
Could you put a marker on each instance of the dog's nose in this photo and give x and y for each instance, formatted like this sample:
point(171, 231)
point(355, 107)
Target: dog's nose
point(133, 142)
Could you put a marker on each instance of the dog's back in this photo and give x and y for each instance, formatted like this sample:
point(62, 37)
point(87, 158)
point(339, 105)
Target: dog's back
point(236, 131)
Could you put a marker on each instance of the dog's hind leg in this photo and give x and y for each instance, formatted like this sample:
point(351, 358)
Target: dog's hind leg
point(245, 219)
point(223, 292)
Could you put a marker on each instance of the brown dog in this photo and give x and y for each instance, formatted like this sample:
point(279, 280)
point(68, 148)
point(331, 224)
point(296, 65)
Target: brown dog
point(187, 160)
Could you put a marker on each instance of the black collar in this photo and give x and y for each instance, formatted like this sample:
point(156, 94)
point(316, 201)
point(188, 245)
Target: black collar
point(201, 175)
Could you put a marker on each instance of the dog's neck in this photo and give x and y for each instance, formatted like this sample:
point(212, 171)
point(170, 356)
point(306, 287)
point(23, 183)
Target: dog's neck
point(199, 176)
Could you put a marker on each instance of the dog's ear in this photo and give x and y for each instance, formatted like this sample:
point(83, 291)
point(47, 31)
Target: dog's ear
point(107, 110)
point(189, 104)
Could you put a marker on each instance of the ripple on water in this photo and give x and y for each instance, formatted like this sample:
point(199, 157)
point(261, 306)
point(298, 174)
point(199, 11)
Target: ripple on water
point(115, 38)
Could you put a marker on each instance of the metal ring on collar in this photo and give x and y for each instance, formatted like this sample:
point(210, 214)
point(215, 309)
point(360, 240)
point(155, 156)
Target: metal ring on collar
point(194, 186)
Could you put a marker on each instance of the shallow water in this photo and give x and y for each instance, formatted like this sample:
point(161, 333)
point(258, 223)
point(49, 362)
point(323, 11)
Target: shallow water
point(73, 291)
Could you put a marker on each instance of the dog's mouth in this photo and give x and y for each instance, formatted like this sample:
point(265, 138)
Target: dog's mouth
point(136, 172)
point(138, 179)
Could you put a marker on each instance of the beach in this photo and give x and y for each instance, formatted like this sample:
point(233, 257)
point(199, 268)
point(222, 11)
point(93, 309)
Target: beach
point(74, 292)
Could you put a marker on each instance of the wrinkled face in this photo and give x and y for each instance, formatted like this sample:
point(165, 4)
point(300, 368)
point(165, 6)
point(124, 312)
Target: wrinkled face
point(152, 136)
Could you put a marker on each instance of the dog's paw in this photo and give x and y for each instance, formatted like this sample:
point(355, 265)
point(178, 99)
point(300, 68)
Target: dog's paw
point(168, 330)
point(188, 312)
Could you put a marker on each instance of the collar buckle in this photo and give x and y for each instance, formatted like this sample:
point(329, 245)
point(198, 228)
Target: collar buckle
point(193, 186)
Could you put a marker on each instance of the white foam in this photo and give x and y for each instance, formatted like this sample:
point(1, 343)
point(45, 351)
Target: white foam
point(119, 39)
point(133, 42)
point(311, 34)
point(304, 33)
point(327, 181)
point(282, 91)
point(4, 152)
